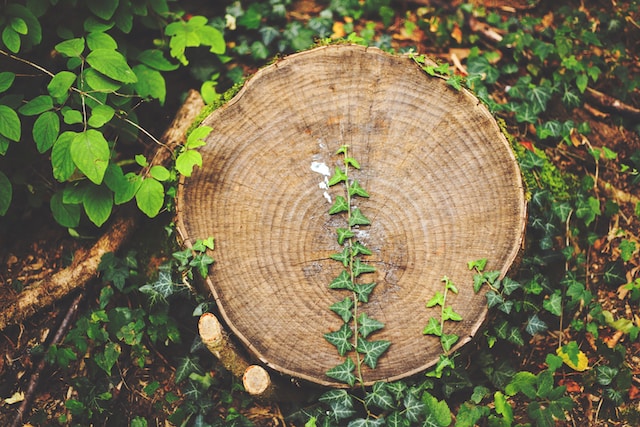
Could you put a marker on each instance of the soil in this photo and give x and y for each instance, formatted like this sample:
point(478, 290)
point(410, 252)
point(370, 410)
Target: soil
point(32, 247)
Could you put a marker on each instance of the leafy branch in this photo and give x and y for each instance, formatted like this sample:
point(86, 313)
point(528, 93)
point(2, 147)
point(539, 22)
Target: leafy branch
point(357, 325)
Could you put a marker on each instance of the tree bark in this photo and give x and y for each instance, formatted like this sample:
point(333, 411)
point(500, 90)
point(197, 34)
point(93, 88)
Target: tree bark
point(85, 265)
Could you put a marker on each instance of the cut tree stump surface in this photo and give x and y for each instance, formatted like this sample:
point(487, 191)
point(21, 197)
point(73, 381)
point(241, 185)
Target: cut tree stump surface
point(445, 190)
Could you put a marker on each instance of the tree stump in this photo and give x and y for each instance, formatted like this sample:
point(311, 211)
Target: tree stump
point(445, 190)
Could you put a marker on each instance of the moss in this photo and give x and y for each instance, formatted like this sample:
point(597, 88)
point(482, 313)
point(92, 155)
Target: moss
point(210, 108)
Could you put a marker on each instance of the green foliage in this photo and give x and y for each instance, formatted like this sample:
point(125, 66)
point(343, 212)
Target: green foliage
point(79, 109)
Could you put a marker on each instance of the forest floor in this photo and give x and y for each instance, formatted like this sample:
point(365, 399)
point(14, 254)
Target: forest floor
point(29, 254)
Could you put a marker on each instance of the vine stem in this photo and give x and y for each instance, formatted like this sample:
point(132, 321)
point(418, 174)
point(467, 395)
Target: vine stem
point(351, 275)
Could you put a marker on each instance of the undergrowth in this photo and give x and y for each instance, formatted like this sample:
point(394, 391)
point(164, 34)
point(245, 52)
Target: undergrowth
point(539, 69)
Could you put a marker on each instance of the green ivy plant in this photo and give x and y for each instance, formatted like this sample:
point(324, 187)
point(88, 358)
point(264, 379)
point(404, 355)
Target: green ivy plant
point(357, 325)
point(80, 110)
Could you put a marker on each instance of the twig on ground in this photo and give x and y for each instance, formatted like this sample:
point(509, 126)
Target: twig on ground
point(35, 376)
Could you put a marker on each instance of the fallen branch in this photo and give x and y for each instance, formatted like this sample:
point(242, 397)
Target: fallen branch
point(85, 262)
point(35, 377)
point(256, 379)
point(612, 104)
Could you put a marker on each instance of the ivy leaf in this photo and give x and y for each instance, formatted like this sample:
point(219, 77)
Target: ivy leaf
point(414, 407)
point(339, 399)
point(150, 197)
point(509, 285)
point(343, 309)
point(201, 262)
point(363, 291)
point(434, 327)
point(372, 351)
point(343, 234)
point(45, 130)
point(359, 249)
point(535, 325)
point(338, 176)
point(98, 203)
point(448, 340)
point(343, 281)
point(9, 123)
point(493, 299)
point(350, 161)
point(605, 374)
point(553, 304)
point(340, 339)
point(380, 397)
point(368, 325)
point(112, 64)
point(437, 299)
point(90, 153)
point(356, 190)
point(187, 366)
point(340, 205)
point(344, 257)
point(343, 372)
point(359, 267)
point(449, 314)
point(358, 218)
point(106, 359)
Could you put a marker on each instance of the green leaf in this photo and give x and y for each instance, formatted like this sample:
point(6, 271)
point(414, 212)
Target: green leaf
point(338, 176)
point(627, 248)
point(187, 160)
point(359, 267)
point(150, 197)
point(11, 39)
point(154, 58)
point(588, 209)
point(100, 82)
point(6, 193)
point(343, 281)
point(37, 105)
point(106, 359)
point(434, 327)
point(447, 341)
point(112, 64)
point(100, 115)
point(340, 205)
point(502, 407)
point(344, 257)
point(469, 415)
point(343, 234)
point(71, 47)
point(372, 351)
point(343, 309)
point(98, 202)
point(45, 130)
point(100, 40)
point(71, 116)
point(6, 80)
point(150, 83)
point(197, 137)
point(358, 248)
point(90, 152)
point(535, 325)
point(553, 304)
point(437, 299)
point(524, 382)
point(19, 25)
point(449, 314)
point(61, 161)
point(379, 397)
point(367, 325)
point(605, 374)
point(363, 291)
point(160, 173)
point(414, 407)
point(356, 190)
point(340, 339)
point(186, 367)
point(60, 84)
point(9, 123)
point(343, 372)
point(358, 218)
point(439, 414)
point(201, 263)
point(103, 9)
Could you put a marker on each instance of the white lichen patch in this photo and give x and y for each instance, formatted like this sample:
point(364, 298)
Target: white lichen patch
point(323, 169)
